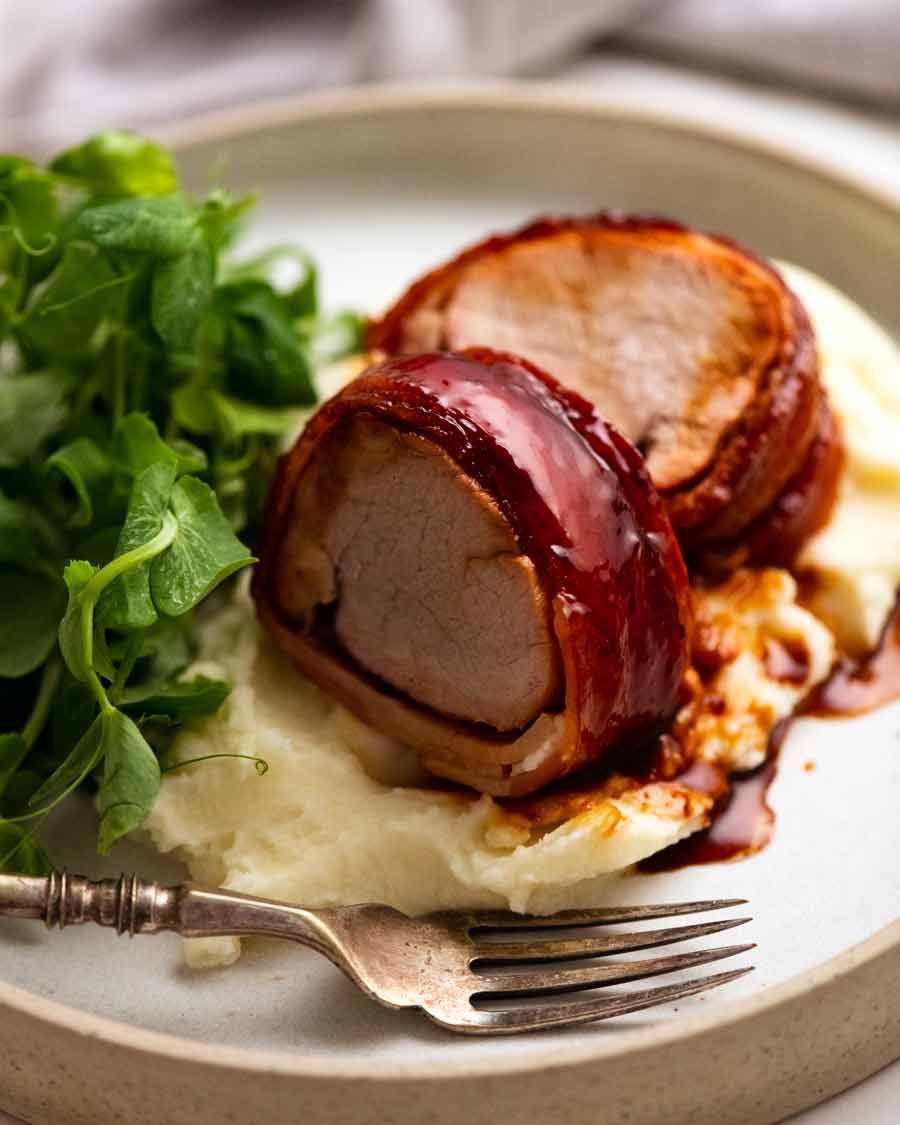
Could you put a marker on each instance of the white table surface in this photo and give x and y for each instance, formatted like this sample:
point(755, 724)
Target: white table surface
point(867, 144)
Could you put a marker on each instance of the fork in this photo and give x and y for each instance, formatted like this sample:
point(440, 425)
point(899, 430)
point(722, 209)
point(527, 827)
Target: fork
point(452, 965)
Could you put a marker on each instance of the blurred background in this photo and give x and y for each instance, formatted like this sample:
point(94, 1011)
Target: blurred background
point(825, 73)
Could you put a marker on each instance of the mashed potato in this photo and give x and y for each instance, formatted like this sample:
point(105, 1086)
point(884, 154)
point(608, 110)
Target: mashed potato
point(339, 816)
point(856, 558)
point(345, 815)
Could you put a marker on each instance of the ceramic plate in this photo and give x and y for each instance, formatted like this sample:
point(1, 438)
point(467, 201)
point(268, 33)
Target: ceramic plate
point(379, 185)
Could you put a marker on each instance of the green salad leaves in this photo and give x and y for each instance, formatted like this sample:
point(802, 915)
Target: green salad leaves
point(146, 382)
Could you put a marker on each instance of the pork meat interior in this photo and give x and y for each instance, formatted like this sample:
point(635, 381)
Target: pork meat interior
point(472, 561)
point(423, 574)
point(695, 349)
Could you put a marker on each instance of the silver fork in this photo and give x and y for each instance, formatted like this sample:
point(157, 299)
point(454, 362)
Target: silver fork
point(451, 965)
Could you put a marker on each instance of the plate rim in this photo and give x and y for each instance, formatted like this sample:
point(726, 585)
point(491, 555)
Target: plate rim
point(569, 99)
point(525, 97)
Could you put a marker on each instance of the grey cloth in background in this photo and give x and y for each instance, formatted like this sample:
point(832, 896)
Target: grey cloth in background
point(69, 66)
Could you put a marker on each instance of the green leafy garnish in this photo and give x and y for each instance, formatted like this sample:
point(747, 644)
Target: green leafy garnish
point(130, 779)
point(176, 698)
point(13, 751)
point(182, 291)
point(118, 163)
point(32, 409)
point(63, 315)
point(266, 354)
point(87, 469)
point(204, 550)
point(20, 851)
point(160, 228)
point(30, 607)
point(147, 381)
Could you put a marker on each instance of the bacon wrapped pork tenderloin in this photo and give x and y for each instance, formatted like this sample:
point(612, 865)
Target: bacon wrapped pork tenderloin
point(695, 349)
point(469, 558)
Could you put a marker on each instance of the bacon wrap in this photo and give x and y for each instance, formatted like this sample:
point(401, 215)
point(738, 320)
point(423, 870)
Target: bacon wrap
point(694, 347)
point(585, 527)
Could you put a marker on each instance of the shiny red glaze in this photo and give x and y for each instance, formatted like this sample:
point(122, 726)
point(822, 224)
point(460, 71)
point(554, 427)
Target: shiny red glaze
point(577, 496)
point(742, 824)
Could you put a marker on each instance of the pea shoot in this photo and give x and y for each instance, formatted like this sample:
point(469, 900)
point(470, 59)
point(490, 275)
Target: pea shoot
point(147, 380)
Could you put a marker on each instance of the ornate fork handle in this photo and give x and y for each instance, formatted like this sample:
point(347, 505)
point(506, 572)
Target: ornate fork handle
point(132, 906)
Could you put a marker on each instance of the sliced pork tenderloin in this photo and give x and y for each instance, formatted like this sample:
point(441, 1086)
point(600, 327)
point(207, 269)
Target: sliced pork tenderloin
point(694, 348)
point(466, 556)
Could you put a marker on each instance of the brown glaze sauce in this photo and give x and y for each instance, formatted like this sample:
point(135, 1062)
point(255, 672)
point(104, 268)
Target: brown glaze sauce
point(855, 687)
point(742, 824)
point(785, 662)
point(742, 821)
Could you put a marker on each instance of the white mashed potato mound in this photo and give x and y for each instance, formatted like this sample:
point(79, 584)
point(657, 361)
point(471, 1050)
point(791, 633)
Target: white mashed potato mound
point(856, 557)
point(338, 817)
point(342, 816)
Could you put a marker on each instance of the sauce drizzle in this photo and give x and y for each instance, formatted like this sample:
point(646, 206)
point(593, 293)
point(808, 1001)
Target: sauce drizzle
point(855, 687)
point(742, 819)
point(786, 663)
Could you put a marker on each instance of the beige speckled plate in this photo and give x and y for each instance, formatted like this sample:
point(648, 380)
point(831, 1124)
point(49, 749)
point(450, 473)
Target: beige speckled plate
point(379, 184)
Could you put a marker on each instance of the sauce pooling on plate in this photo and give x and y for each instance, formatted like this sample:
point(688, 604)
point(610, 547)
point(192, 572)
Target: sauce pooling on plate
point(856, 687)
point(741, 825)
point(742, 822)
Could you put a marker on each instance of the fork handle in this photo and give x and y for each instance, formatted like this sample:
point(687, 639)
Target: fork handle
point(128, 904)
point(136, 906)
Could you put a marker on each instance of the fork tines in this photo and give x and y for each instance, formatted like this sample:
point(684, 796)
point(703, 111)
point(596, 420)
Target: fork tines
point(601, 916)
point(529, 965)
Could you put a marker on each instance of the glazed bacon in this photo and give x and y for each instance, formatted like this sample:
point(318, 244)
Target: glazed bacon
point(695, 349)
point(464, 554)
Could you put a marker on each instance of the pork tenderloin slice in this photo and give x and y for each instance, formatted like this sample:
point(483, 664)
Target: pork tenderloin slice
point(470, 559)
point(423, 575)
point(473, 755)
point(668, 345)
point(694, 348)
